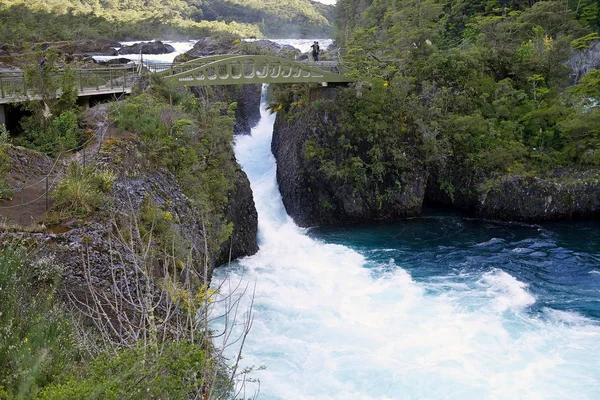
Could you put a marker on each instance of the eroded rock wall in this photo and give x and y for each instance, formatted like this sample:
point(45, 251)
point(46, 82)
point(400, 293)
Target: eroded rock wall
point(311, 197)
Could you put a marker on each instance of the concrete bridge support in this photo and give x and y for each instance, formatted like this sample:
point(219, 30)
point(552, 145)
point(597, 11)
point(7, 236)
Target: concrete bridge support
point(84, 101)
point(2, 115)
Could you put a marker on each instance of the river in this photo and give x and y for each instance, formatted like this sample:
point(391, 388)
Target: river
point(438, 307)
point(183, 46)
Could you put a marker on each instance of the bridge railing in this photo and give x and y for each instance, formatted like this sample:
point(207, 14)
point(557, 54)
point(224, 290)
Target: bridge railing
point(167, 69)
point(14, 85)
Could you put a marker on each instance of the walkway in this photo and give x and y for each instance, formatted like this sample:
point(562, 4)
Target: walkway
point(213, 70)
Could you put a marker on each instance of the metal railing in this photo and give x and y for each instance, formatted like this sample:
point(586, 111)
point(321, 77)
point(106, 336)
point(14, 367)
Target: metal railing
point(15, 86)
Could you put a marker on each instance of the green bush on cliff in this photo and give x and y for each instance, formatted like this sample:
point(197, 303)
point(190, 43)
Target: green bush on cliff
point(52, 125)
point(36, 344)
point(190, 138)
point(473, 89)
point(178, 372)
point(81, 191)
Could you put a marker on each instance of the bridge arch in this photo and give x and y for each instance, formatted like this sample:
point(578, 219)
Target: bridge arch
point(251, 69)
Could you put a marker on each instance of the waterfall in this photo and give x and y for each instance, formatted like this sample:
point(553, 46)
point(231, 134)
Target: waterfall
point(332, 324)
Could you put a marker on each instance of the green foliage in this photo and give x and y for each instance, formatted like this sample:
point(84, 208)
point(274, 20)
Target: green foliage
point(53, 124)
point(60, 134)
point(53, 20)
point(480, 88)
point(191, 139)
point(176, 373)
point(35, 337)
point(81, 191)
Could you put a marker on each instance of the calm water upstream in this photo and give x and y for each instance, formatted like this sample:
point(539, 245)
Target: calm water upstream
point(439, 307)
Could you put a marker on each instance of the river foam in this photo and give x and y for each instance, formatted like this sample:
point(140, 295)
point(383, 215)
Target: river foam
point(331, 323)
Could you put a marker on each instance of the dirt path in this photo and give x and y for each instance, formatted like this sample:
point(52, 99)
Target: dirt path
point(32, 171)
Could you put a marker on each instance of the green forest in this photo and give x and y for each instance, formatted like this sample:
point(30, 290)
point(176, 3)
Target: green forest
point(475, 90)
point(52, 20)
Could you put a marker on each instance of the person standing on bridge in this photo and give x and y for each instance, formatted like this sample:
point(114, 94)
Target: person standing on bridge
point(315, 51)
point(43, 62)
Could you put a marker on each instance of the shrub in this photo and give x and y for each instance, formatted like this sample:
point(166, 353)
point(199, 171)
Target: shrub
point(177, 373)
point(81, 192)
point(62, 133)
point(35, 339)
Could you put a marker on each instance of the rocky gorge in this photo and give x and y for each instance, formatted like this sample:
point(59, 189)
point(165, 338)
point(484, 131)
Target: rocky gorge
point(313, 197)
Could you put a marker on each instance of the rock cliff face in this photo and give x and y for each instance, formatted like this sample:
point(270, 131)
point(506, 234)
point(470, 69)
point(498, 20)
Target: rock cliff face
point(247, 97)
point(562, 195)
point(532, 198)
point(311, 198)
point(242, 212)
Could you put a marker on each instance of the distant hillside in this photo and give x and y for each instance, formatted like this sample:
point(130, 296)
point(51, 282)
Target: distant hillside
point(37, 20)
point(275, 17)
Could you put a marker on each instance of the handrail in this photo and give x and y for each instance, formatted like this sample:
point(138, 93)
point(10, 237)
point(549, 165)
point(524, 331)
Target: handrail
point(116, 79)
point(14, 85)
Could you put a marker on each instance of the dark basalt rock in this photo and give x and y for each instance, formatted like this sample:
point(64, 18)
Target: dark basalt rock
point(116, 61)
point(311, 198)
point(531, 198)
point(247, 113)
point(209, 46)
point(242, 212)
point(8, 49)
point(157, 47)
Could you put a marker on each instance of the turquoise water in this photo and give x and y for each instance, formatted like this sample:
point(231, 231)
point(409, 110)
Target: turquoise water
point(439, 307)
point(559, 262)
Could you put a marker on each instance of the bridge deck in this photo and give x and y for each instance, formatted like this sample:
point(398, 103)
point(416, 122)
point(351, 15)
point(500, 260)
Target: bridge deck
point(212, 70)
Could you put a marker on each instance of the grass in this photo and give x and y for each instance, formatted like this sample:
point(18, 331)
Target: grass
point(81, 192)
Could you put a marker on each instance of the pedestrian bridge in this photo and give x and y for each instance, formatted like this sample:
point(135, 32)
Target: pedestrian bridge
point(225, 69)
point(248, 69)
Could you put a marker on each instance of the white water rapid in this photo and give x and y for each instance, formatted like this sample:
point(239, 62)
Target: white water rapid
point(326, 327)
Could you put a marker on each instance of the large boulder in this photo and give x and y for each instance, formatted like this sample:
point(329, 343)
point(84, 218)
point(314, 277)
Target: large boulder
point(157, 47)
point(225, 44)
point(116, 61)
point(208, 46)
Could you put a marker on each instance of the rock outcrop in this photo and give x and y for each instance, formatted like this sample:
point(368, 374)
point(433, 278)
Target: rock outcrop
point(211, 45)
point(247, 113)
point(312, 198)
point(532, 198)
point(561, 194)
point(89, 47)
point(157, 47)
point(242, 212)
point(582, 62)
